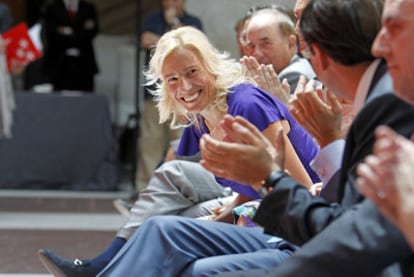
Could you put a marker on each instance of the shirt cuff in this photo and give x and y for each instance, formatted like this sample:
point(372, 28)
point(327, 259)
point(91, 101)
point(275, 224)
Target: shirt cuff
point(329, 160)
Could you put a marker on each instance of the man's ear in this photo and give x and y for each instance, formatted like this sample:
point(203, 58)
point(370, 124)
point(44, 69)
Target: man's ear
point(319, 56)
point(293, 43)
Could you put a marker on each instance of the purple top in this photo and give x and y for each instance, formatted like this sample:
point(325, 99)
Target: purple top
point(261, 109)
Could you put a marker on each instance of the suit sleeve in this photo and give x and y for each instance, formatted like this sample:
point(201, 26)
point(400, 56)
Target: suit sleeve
point(89, 28)
point(292, 78)
point(291, 212)
point(359, 243)
point(353, 230)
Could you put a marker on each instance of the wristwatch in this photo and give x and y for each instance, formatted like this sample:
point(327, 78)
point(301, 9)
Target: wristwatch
point(270, 182)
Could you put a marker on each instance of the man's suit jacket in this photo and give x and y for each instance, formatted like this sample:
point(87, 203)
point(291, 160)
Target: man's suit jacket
point(381, 83)
point(296, 67)
point(347, 239)
point(57, 44)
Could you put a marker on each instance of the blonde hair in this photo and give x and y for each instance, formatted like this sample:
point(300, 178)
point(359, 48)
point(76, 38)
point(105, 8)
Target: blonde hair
point(227, 72)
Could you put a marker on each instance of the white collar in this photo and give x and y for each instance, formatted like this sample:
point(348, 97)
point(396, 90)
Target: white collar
point(363, 86)
point(75, 4)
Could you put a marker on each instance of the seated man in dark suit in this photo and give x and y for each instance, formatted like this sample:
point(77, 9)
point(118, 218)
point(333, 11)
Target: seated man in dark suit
point(387, 176)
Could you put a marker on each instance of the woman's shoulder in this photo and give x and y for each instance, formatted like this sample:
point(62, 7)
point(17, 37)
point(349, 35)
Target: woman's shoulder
point(243, 87)
point(244, 92)
point(250, 94)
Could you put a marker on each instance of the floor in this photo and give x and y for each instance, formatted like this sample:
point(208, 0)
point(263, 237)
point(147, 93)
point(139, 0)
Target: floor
point(73, 224)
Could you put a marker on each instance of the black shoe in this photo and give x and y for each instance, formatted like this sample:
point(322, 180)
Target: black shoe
point(63, 268)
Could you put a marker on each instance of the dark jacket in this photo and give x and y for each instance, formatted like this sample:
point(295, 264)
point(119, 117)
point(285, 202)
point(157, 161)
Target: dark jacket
point(349, 238)
point(56, 44)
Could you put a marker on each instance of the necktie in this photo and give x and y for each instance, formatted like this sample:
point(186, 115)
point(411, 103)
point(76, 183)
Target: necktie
point(72, 10)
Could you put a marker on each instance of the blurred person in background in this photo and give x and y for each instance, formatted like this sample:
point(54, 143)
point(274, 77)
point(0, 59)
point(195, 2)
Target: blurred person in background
point(70, 27)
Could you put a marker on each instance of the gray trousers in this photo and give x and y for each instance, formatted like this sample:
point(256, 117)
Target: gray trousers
point(154, 141)
point(176, 188)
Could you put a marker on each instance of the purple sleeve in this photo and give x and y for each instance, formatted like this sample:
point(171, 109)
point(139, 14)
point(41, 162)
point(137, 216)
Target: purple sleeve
point(189, 142)
point(259, 108)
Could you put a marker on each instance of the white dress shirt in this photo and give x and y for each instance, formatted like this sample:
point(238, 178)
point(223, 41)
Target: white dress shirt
point(71, 5)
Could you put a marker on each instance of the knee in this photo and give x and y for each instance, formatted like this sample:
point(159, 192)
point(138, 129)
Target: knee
point(174, 174)
point(163, 223)
point(173, 230)
point(169, 169)
point(172, 165)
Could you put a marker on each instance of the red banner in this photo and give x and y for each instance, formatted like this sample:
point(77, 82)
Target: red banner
point(19, 45)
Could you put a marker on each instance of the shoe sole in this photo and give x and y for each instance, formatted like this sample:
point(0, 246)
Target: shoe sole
point(50, 266)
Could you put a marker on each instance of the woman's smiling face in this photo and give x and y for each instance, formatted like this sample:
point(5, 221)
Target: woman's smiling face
point(187, 81)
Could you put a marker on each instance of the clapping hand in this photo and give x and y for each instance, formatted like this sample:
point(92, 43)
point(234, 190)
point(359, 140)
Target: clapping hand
point(245, 155)
point(318, 111)
point(386, 177)
point(266, 78)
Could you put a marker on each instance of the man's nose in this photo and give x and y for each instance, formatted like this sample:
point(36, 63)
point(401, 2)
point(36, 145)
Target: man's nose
point(380, 47)
point(257, 52)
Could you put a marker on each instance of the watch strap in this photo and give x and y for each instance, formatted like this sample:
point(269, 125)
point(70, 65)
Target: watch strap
point(273, 178)
point(270, 182)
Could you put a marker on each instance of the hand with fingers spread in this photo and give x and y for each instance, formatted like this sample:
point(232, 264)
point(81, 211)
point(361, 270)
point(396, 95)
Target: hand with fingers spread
point(272, 84)
point(245, 155)
point(387, 178)
point(266, 78)
point(319, 112)
point(250, 65)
